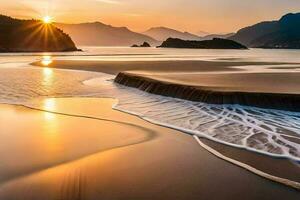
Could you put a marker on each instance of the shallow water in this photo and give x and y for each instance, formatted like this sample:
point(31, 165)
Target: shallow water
point(151, 54)
point(271, 132)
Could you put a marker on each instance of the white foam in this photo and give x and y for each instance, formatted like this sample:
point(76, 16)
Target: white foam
point(270, 132)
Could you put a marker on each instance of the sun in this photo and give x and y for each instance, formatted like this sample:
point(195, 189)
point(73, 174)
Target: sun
point(47, 20)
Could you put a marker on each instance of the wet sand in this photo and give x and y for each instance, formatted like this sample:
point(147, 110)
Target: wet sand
point(115, 67)
point(94, 152)
point(228, 76)
point(259, 82)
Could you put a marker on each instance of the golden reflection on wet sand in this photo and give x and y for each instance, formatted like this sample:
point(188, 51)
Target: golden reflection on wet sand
point(46, 60)
point(47, 72)
point(44, 139)
point(50, 105)
point(90, 151)
point(48, 77)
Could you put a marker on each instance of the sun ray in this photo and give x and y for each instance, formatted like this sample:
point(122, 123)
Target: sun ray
point(51, 33)
point(33, 35)
point(45, 37)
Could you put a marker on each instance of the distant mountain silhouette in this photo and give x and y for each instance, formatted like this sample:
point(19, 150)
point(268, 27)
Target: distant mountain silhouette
point(202, 33)
point(284, 33)
point(99, 34)
point(212, 36)
point(216, 43)
point(163, 33)
point(32, 36)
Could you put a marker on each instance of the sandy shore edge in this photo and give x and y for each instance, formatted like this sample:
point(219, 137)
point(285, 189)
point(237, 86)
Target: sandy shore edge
point(182, 165)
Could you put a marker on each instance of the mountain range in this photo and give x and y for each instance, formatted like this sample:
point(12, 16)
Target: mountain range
point(222, 36)
point(284, 33)
point(163, 33)
point(202, 33)
point(99, 34)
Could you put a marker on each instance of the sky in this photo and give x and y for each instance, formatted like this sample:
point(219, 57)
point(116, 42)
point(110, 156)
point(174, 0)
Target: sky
point(213, 16)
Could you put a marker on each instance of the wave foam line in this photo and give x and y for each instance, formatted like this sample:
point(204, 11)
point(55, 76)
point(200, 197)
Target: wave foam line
point(276, 179)
point(283, 181)
point(200, 134)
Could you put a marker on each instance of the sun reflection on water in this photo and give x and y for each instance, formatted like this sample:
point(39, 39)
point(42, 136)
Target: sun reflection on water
point(46, 60)
point(47, 71)
point(49, 105)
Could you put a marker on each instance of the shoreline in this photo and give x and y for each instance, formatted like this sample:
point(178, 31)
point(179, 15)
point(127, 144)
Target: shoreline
point(98, 66)
point(242, 155)
point(215, 82)
point(115, 67)
point(185, 166)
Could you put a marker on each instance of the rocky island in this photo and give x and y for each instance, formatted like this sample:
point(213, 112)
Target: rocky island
point(216, 43)
point(145, 44)
point(32, 36)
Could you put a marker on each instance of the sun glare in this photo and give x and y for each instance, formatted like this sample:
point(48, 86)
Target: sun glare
point(46, 60)
point(49, 105)
point(47, 20)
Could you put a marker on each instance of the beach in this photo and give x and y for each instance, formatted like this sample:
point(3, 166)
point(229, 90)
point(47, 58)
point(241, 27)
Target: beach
point(213, 76)
point(87, 133)
point(212, 82)
point(149, 100)
point(114, 155)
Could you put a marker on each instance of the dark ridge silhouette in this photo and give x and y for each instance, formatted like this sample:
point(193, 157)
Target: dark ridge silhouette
point(284, 34)
point(99, 34)
point(289, 102)
point(32, 36)
point(145, 44)
point(216, 43)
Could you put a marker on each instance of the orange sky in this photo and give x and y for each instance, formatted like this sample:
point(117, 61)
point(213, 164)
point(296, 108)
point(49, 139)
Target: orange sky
point(214, 16)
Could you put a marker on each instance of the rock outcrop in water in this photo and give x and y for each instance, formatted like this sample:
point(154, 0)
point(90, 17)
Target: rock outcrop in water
point(32, 36)
point(145, 44)
point(216, 43)
point(284, 34)
point(288, 102)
